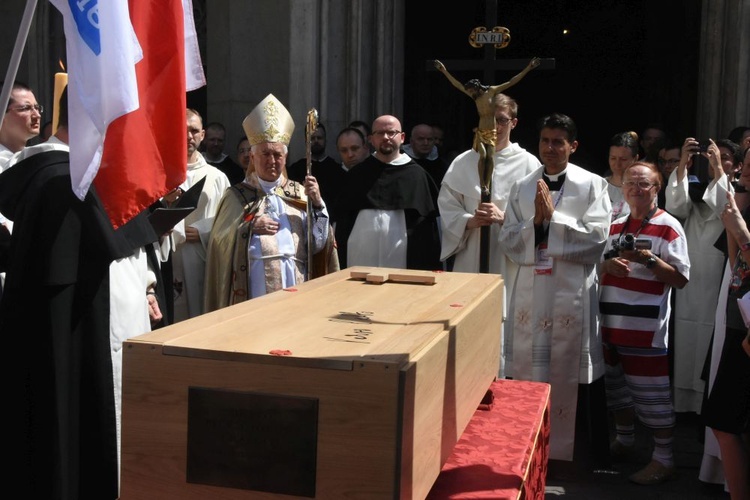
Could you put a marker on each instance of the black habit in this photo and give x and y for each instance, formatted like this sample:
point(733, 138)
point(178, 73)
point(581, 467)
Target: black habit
point(373, 184)
point(54, 319)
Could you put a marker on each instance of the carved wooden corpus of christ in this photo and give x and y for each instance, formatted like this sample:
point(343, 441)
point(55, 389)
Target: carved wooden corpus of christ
point(485, 138)
point(485, 135)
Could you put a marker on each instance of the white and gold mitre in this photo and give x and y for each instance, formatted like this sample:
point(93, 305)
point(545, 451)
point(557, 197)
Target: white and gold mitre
point(269, 121)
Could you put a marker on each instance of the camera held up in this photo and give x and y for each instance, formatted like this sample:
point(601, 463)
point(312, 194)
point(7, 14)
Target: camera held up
point(628, 242)
point(702, 147)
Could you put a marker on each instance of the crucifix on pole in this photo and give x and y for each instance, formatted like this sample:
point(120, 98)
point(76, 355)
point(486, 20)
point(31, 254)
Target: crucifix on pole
point(485, 135)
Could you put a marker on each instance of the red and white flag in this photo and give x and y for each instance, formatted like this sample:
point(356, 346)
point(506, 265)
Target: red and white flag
point(127, 98)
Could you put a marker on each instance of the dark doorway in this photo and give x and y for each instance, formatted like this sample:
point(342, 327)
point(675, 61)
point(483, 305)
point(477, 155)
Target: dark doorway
point(621, 65)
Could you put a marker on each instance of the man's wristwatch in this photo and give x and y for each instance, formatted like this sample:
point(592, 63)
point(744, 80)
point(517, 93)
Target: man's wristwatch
point(650, 262)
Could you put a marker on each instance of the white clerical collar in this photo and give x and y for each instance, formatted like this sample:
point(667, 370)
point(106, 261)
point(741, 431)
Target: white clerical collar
point(269, 186)
point(555, 177)
point(401, 159)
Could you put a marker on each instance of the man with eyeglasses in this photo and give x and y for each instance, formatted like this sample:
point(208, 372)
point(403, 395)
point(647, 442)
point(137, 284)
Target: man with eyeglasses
point(668, 161)
point(463, 214)
point(92, 287)
point(556, 226)
point(21, 122)
point(387, 216)
point(646, 257)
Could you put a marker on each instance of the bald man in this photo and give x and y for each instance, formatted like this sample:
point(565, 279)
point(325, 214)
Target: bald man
point(387, 214)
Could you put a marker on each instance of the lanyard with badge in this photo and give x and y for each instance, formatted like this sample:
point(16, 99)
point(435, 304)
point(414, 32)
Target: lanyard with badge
point(543, 263)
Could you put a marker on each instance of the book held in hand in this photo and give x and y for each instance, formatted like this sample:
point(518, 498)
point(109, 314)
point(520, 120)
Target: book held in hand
point(163, 219)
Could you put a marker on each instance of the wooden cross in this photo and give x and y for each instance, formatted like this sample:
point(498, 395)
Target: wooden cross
point(495, 39)
point(489, 63)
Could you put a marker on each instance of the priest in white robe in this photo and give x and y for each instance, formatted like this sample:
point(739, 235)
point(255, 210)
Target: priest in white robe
point(555, 229)
point(463, 214)
point(190, 237)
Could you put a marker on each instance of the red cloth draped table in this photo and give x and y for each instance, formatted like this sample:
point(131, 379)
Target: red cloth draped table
point(503, 451)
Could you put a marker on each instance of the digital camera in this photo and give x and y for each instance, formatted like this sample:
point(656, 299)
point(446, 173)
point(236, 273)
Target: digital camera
point(628, 242)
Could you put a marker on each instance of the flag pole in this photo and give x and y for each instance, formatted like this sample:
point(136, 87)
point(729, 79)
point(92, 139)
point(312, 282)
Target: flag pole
point(15, 59)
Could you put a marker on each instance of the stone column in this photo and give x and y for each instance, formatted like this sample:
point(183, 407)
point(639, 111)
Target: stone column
point(724, 78)
point(342, 57)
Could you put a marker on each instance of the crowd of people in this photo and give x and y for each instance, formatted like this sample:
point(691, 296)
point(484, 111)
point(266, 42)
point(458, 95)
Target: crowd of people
point(621, 291)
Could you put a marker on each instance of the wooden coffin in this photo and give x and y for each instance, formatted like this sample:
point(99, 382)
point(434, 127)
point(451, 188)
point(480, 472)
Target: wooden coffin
point(342, 387)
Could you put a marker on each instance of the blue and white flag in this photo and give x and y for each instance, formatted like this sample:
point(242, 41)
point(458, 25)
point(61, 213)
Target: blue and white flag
point(102, 50)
